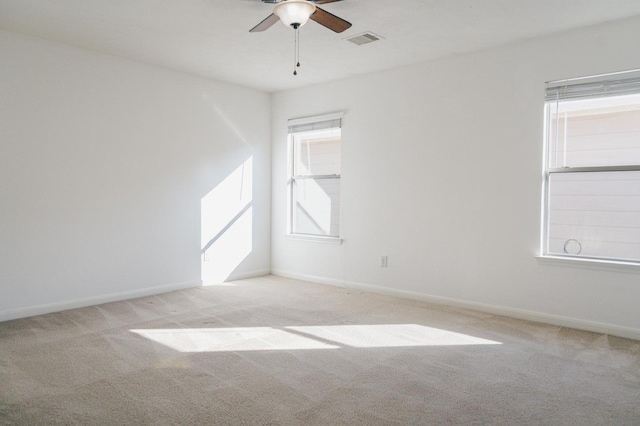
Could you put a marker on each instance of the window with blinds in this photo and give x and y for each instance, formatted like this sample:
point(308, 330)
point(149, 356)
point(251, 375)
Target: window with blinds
point(592, 168)
point(314, 176)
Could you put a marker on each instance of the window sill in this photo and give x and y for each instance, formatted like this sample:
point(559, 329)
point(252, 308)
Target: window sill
point(314, 238)
point(599, 264)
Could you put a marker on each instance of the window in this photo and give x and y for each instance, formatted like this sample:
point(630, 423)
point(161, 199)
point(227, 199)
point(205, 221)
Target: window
point(314, 176)
point(592, 168)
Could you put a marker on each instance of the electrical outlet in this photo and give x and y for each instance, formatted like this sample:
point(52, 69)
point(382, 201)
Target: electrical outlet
point(205, 257)
point(383, 261)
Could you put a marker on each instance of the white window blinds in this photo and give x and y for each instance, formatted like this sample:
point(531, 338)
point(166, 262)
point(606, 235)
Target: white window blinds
point(611, 85)
point(322, 122)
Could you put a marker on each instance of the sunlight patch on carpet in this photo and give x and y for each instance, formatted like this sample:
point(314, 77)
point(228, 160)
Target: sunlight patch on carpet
point(231, 339)
point(390, 336)
point(307, 337)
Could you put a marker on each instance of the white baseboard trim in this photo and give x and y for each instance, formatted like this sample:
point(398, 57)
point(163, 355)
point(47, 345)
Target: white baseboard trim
point(596, 327)
point(250, 274)
point(96, 300)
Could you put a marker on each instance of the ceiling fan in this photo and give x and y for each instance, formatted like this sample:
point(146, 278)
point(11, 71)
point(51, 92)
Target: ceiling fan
point(295, 13)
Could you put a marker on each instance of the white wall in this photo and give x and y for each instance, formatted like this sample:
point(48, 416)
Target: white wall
point(441, 171)
point(103, 165)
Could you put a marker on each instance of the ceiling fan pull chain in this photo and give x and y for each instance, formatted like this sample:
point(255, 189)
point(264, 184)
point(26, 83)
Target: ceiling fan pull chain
point(298, 47)
point(296, 51)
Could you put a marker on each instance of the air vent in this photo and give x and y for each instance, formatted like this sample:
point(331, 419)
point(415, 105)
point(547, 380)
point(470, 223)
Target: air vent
point(364, 38)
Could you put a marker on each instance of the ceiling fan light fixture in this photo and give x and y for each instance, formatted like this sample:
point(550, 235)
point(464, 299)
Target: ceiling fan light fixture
point(294, 13)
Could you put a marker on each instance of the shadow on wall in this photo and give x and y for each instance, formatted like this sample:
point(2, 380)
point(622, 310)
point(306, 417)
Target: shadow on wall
point(226, 216)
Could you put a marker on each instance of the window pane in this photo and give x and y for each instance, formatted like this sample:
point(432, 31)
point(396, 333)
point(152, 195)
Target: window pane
point(595, 214)
point(595, 132)
point(316, 206)
point(317, 153)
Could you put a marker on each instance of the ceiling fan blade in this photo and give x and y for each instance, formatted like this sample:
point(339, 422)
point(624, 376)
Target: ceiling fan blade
point(265, 24)
point(326, 1)
point(330, 20)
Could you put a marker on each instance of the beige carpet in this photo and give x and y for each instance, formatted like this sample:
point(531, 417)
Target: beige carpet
point(276, 351)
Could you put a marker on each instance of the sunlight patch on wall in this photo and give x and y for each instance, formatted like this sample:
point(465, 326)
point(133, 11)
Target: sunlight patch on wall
point(307, 337)
point(226, 216)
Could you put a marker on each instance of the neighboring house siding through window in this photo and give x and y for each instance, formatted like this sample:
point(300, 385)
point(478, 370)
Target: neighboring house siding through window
point(314, 176)
point(592, 168)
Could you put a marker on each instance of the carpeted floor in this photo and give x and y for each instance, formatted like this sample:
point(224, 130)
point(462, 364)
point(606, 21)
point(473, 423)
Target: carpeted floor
point(277, 351)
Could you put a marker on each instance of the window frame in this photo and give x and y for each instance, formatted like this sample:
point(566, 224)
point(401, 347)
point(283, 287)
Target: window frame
point(547, 171)
point(298, 127)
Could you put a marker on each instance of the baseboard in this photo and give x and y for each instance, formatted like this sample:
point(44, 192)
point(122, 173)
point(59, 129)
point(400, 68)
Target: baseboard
point(91, 301)
point(596, 327)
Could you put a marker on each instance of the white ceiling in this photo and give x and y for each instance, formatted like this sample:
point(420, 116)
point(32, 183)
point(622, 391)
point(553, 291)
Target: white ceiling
point(211, 37)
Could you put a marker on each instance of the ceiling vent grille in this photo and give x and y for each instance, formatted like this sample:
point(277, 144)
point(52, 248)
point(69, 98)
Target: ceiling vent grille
point(364, 38)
